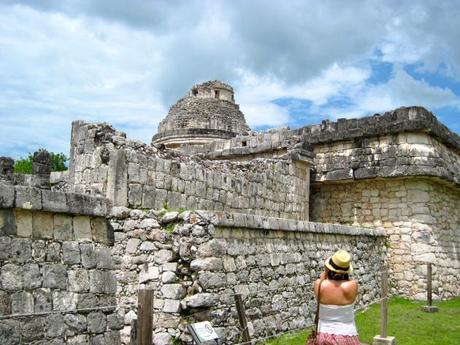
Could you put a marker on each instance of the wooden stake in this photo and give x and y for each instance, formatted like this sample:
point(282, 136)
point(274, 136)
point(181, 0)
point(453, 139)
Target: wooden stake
point(383, 304)
point(429, 290)
point(144, 317)
point(242, 318)
point(134, 332)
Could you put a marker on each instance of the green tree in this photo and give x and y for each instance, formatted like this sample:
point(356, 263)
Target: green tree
point(24, 164)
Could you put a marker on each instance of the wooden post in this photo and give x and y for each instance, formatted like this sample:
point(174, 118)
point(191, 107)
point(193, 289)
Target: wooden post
point(383, 338)
point(383, 304)
point(134, 332)
point(242, 318)
point(429, 296)
point(144, 317)
point(430, 308)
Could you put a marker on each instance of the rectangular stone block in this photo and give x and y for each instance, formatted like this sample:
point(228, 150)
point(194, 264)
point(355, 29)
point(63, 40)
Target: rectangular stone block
point(63, 227)
point(6, 195)
point(82, 228)
point(42, 225)
point(28, 198)
point(54, 201)
point(7, 222)
point(101, 230)
point(23, 222)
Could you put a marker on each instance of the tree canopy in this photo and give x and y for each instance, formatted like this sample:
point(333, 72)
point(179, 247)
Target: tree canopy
point(24, 164)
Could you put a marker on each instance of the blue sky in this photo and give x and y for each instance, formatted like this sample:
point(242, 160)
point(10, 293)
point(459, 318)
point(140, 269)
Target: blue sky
point(290, 62)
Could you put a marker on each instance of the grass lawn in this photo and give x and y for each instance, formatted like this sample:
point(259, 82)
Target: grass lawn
point(406, 322)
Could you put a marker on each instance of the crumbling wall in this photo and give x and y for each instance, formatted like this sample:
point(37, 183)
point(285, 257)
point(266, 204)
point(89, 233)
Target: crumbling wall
point(420, 218)
point(57, 281)
point(133, 174)
point(197, 261)
point(396, 155)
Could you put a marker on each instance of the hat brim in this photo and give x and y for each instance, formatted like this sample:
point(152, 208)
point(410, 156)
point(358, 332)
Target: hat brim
point(329, 266)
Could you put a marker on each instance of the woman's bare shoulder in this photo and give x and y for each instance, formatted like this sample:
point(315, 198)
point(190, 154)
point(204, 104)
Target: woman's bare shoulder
point(350, 286)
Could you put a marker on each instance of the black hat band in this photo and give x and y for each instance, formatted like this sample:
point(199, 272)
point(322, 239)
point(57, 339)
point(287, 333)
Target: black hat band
point(332, 263)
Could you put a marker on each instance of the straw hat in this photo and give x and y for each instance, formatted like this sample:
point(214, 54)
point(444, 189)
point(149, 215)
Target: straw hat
point(340, 262)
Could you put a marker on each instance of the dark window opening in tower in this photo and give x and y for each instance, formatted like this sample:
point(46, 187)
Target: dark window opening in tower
point(194, 92)
point(216, 94)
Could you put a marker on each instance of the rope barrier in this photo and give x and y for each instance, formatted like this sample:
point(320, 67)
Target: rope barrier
point(74, 311)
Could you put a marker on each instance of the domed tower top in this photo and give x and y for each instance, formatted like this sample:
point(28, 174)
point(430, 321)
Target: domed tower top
point(207, 113)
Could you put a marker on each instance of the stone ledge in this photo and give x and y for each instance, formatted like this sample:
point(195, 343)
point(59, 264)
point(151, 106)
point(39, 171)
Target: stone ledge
point(30, 198)
point(240, 220)
point(404, 119)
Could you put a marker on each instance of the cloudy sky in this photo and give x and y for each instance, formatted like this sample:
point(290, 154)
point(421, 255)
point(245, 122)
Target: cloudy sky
point(291, 62)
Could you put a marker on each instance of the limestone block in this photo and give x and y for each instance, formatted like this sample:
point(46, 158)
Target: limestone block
point(20, 250)
point(202, 300)
point(63, 229)
point(22, 302)
point(28, 198)
point(76, 323)
point(42, 225)
point(64, 300)
point(54, 276)
point(33, 329)
point(169, 217)
point(88, 255)
point(148, 273)
point(43, 300)
point(23, 222)
point(119, 212)
point(215, 247)
point(132, 245)
point(112, 338)
point(168, 277)
point(53, 252)
point(82, 228)
point(210, 280)
point(101, 230)
point(55, 325)
point(102, 282)
point(173, 291)
point(78, 280)
point(162, 338)
point(169, 266)
point(11, 277)
point(207, 264)
point(147, 246)
point(7, 222)
point(5, 243)
point(31, 276)
point(163, 256)
point(135, 194)
point(54, 201)
point(70, 253)
point(6, 195)
point(104, 258)
point(171, 306)
point(10, 332)
point(97, 322)
point(115, 321)
point(149, 223)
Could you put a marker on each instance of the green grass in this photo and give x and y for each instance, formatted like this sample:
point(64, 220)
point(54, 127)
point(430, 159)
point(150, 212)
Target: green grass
point(406, 322)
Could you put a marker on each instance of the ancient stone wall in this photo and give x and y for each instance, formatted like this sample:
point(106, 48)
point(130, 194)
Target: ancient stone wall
point(133, 174)
point(57, 281)
point(197, 261)
point(395, 155)
point(420, 218)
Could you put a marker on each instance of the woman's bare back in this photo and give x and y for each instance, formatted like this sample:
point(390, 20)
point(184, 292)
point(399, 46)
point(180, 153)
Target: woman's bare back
point(337, 292)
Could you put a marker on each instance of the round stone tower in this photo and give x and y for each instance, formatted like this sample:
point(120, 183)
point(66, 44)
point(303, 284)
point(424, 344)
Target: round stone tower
point(207, 113)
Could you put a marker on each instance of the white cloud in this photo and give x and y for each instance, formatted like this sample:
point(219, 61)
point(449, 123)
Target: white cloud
point(107, 60)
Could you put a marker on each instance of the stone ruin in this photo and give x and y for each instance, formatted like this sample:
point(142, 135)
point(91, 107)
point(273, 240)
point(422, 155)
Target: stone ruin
point(211, 209)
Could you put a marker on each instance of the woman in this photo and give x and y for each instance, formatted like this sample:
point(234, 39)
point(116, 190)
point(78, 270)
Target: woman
point(336, 302)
